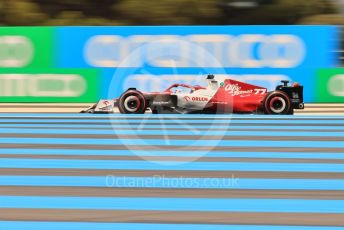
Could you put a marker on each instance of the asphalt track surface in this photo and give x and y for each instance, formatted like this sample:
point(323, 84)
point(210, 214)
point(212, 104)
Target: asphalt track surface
point(164, 172)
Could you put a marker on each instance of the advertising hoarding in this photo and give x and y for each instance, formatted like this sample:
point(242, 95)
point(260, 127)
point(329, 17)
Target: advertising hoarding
point(27, 47)
point(145, 56)
point(330, 85)
point(49, 85)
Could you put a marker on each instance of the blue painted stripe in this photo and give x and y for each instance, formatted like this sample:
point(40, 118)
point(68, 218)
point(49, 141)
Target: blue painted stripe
point(277, 155)
point(169, 165)
point(176, 182)
point(148, 126)
point(175, 204)
point(164, 142)
point(179, 121)
point(28, 225)
point(203, 133)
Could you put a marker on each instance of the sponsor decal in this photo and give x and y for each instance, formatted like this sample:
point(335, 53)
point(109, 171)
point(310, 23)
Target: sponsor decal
point(295, 95)
point(196, 99)
point(187, 98)
point(235, 89)
point(160, 103)
point(220, 102)
point(106, 106)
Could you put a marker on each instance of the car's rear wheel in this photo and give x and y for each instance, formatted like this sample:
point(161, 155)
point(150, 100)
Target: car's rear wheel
point(132, 102)
point(277, 102)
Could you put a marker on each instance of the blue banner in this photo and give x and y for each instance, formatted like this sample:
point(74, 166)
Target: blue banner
point(151, 58)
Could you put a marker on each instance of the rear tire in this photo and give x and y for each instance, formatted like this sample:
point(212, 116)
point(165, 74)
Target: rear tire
point(278, 103)
point(132, 102)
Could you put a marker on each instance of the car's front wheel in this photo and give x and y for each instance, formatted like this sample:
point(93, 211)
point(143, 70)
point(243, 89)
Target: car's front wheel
point(132, 102)
point(278, 103)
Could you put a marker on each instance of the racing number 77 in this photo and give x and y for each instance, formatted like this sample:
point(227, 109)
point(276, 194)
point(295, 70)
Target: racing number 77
point(260, 91)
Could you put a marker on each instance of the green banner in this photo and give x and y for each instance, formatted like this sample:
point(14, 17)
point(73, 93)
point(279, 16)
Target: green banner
point(330, 85)
point(49, 85)
point(26, 47)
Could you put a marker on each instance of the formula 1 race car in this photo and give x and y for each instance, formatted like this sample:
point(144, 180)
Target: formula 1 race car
point(226, 96)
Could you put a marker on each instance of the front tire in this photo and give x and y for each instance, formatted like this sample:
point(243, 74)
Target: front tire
point(277, 103)
point(132, 102)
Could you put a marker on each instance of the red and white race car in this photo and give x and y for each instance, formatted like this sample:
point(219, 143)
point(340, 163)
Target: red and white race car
point(225, 96)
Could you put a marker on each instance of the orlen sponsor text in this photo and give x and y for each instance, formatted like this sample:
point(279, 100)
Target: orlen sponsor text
point(40, 85)
point(196, 99)
point(243, 51)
